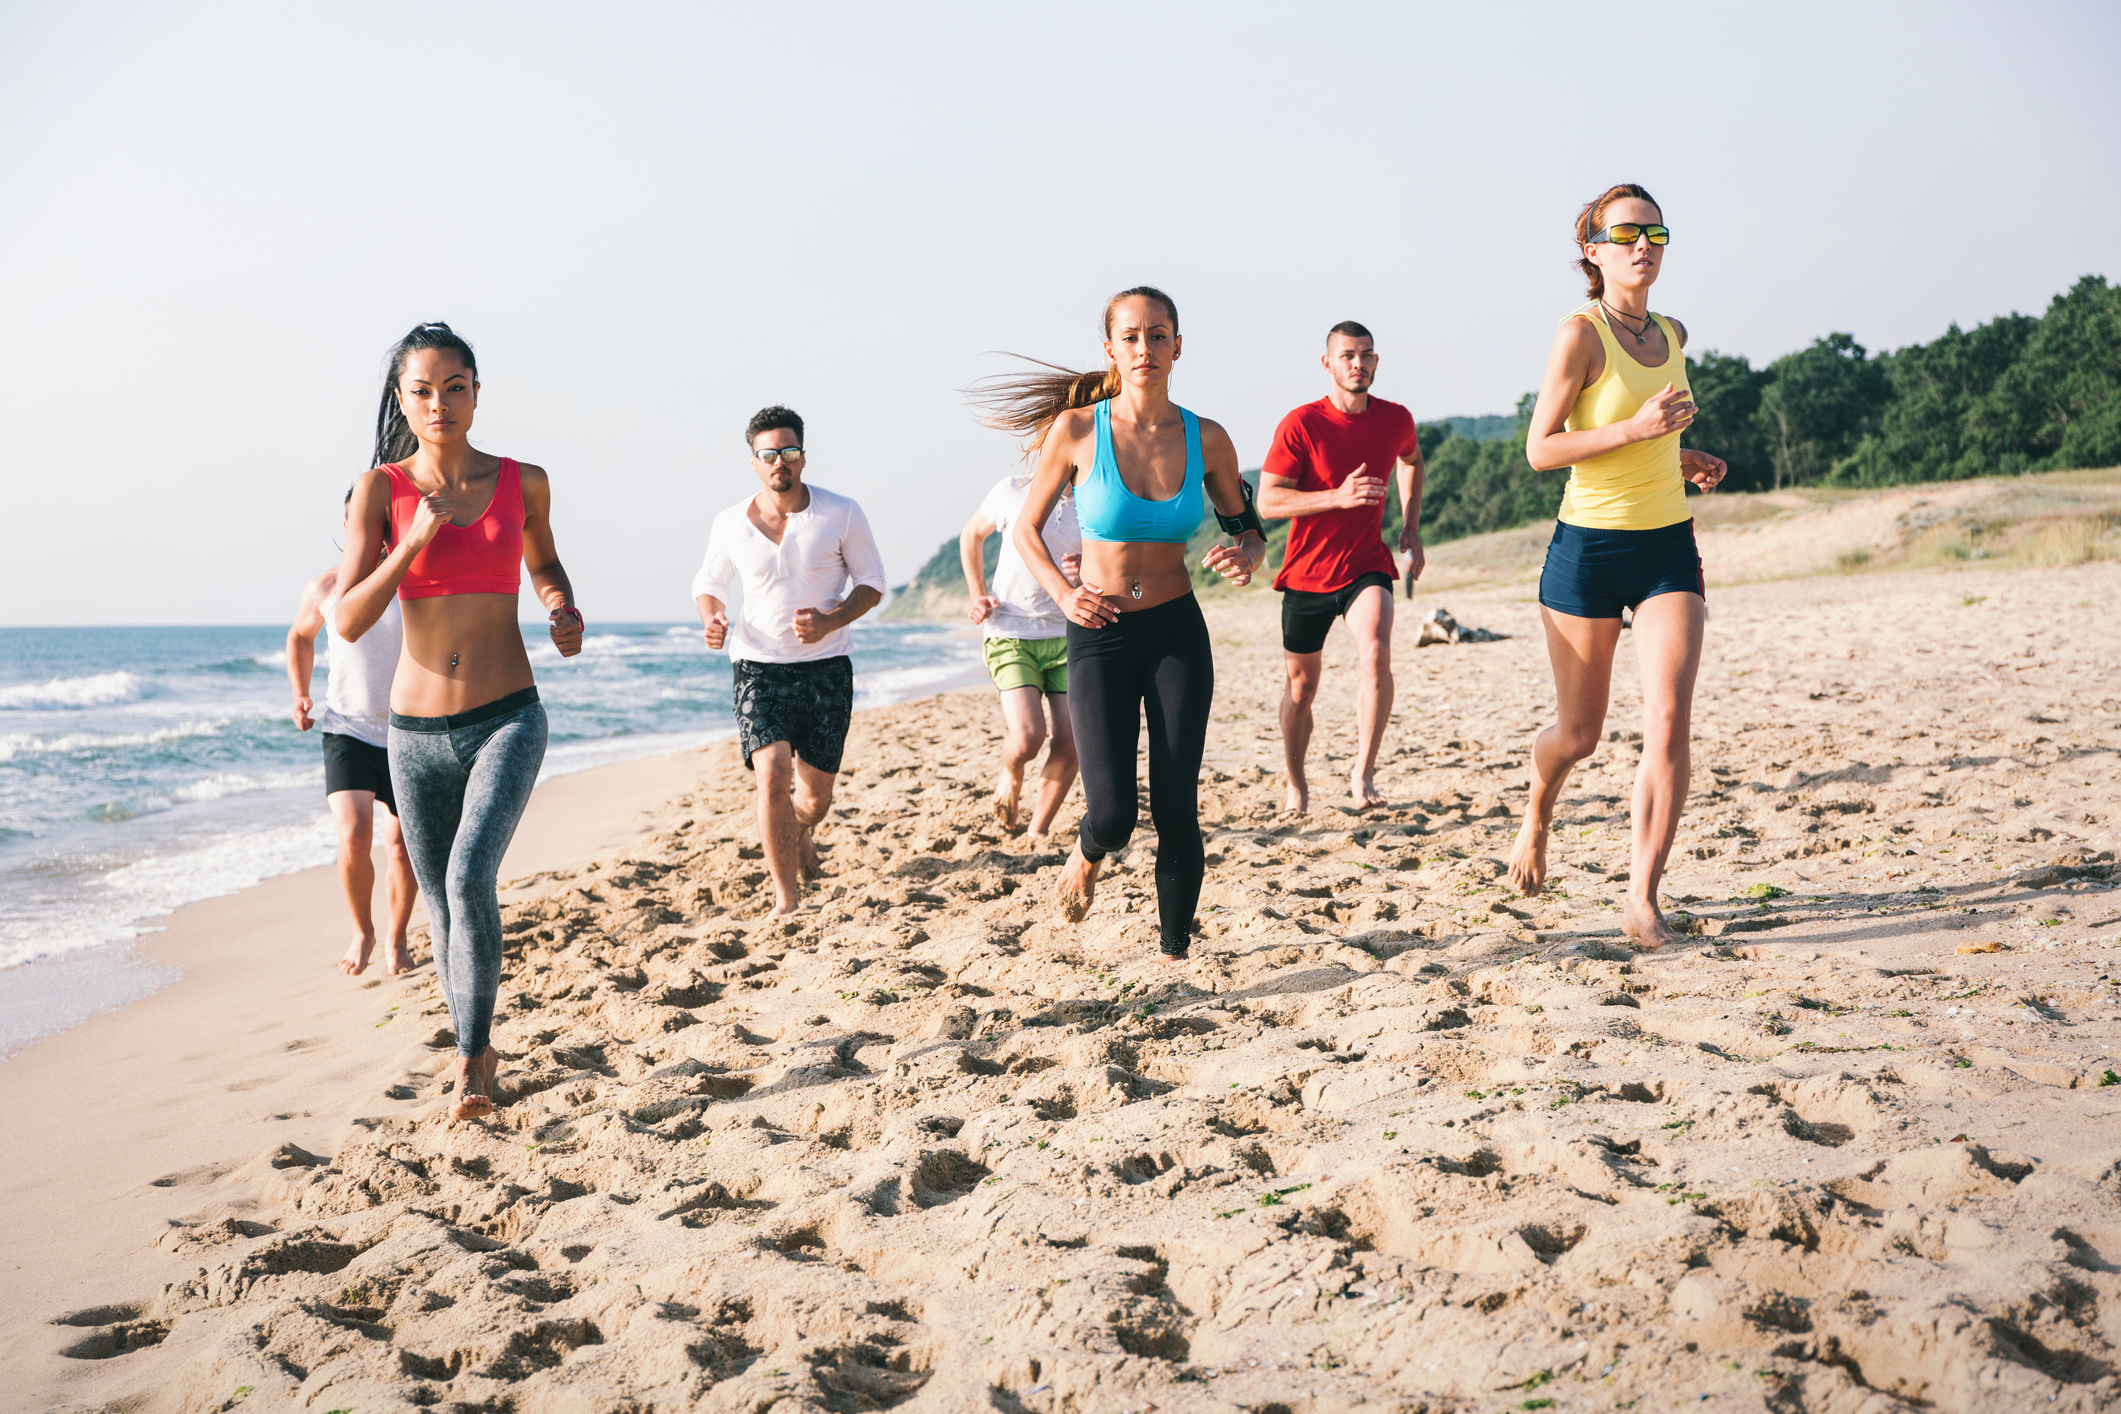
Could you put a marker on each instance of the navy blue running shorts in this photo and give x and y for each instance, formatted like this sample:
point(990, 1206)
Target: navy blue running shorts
point(1594, 574)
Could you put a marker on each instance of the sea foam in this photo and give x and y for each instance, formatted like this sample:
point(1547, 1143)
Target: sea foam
point(95, 690)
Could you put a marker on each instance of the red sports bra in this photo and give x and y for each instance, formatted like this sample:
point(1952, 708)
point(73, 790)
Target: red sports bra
point(485, 557)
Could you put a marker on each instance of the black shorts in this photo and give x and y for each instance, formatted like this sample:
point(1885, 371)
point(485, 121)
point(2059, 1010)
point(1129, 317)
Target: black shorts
point(352, 764)
point(1594, 574)
point(1306, 617)
point(807, 705)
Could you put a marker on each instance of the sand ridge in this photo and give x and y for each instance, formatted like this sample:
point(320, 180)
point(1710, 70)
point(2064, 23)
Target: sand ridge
point(1393, 1137)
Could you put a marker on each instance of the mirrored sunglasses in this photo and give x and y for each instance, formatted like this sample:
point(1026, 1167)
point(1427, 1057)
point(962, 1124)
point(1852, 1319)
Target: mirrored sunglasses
point(1629, 234)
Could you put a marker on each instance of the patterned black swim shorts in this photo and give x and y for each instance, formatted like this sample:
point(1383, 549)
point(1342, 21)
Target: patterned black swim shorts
point(807, 705)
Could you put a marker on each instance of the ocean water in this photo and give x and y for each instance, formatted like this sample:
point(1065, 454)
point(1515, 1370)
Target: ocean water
point(144, 768)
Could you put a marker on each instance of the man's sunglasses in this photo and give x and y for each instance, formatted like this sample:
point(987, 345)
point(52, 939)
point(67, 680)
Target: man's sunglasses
point(772, 455)
point(1628, 235)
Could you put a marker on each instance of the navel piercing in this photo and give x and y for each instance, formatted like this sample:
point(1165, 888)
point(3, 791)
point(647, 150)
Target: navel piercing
point(1135, 589)
point(452, 660)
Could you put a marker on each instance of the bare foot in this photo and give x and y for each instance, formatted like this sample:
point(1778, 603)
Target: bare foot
point(1528, 860)
point(786, 906)
point(1077, 887)
point(474, 1085)
point(1037, 844)
point(399, 962)
point(356, 960)
point(807, 858)
point(1006, 794)
point(1363, 790)
point(1296, 800)
point(1641, 921)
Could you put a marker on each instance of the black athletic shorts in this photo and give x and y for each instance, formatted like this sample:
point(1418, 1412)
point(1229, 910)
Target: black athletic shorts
point(1306, 617)
point(352, 764)
point(807, 705)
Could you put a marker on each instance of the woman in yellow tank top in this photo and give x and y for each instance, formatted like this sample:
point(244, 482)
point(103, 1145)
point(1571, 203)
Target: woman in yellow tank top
point(1611, 408)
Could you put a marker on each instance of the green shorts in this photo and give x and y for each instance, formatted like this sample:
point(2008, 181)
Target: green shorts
point(1028, 662)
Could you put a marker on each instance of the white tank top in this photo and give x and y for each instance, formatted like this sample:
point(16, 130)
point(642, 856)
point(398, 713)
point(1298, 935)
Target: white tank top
point(357, 692)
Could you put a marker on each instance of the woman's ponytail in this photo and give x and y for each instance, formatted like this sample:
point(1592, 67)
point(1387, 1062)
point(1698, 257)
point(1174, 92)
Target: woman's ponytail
point(1027, 403)
point(394, 437)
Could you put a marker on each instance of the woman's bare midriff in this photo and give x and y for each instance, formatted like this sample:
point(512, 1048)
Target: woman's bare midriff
point(477, 630)
point(1111, 567)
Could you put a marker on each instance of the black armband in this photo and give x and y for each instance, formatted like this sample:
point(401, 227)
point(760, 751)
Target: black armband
point(1244, 520)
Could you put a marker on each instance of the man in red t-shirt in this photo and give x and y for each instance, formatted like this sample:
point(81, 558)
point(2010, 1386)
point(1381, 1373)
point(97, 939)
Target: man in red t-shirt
point(1326, 471)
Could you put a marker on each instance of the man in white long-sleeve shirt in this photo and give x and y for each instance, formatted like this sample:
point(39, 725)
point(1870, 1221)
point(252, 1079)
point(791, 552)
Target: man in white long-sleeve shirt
point(793, 548)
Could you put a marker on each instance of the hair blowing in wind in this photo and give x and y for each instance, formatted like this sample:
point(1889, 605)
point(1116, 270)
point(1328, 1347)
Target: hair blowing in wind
point(1027, 403)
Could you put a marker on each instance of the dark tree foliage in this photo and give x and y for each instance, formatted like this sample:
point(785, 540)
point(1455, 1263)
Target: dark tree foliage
point(1922, 434)
point(1817, 405)
point(1477, 486)
point(2058, 405)
point(1727, 393)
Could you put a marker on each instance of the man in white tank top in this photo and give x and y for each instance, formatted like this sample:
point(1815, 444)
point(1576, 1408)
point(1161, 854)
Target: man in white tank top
point(355, 719)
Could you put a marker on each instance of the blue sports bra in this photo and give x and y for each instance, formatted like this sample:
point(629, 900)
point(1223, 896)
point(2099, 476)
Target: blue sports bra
point(1107, 510)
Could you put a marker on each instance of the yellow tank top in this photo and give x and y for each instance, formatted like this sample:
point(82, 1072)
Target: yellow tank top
point(1637, 487)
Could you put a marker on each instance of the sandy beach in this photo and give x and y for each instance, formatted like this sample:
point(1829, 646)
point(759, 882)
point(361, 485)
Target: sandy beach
point(1394, 1137)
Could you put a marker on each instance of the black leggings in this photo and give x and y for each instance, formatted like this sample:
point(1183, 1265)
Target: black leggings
point(1158, 659)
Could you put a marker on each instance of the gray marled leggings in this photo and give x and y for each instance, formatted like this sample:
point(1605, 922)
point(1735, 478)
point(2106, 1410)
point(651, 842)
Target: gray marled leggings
point(462, 782)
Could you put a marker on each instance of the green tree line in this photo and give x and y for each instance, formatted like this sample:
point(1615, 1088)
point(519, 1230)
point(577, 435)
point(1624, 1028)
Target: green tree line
point(2017, 394)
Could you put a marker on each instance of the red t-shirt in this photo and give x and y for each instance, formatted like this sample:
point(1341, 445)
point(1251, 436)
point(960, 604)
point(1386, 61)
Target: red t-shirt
point(1317, 447)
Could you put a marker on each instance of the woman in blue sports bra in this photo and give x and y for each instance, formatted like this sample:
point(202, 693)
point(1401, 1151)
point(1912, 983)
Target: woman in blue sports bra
point(1143, 470)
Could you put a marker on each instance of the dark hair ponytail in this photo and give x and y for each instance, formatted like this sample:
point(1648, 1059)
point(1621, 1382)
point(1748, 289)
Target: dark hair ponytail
point(394, 440)
point(1591, 220)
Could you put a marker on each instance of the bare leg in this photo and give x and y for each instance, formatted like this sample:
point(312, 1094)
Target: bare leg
point(1058, 778)
point(1668, 631)
point(1078, 886)
point(1023, 733)
point(1370, 621)
point(353, 812)
point(813, 797)
point(404, 887)
point(1581, 651)
point(1299, 691)
point(774, 765)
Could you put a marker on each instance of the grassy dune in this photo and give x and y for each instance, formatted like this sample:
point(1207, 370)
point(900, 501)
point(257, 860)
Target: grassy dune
point(2054, 518)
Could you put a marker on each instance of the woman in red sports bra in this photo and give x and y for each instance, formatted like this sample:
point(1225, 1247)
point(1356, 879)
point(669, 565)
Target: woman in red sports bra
point(467, 733)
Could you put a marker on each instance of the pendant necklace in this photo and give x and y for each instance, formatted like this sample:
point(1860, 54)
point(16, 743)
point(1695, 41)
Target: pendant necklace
point(1642, 335)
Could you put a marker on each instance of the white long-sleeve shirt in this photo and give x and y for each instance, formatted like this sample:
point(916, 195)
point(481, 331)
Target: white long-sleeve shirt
point(823, 547)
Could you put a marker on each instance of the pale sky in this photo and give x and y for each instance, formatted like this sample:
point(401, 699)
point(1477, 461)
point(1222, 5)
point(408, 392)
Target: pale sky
point(652, 220)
